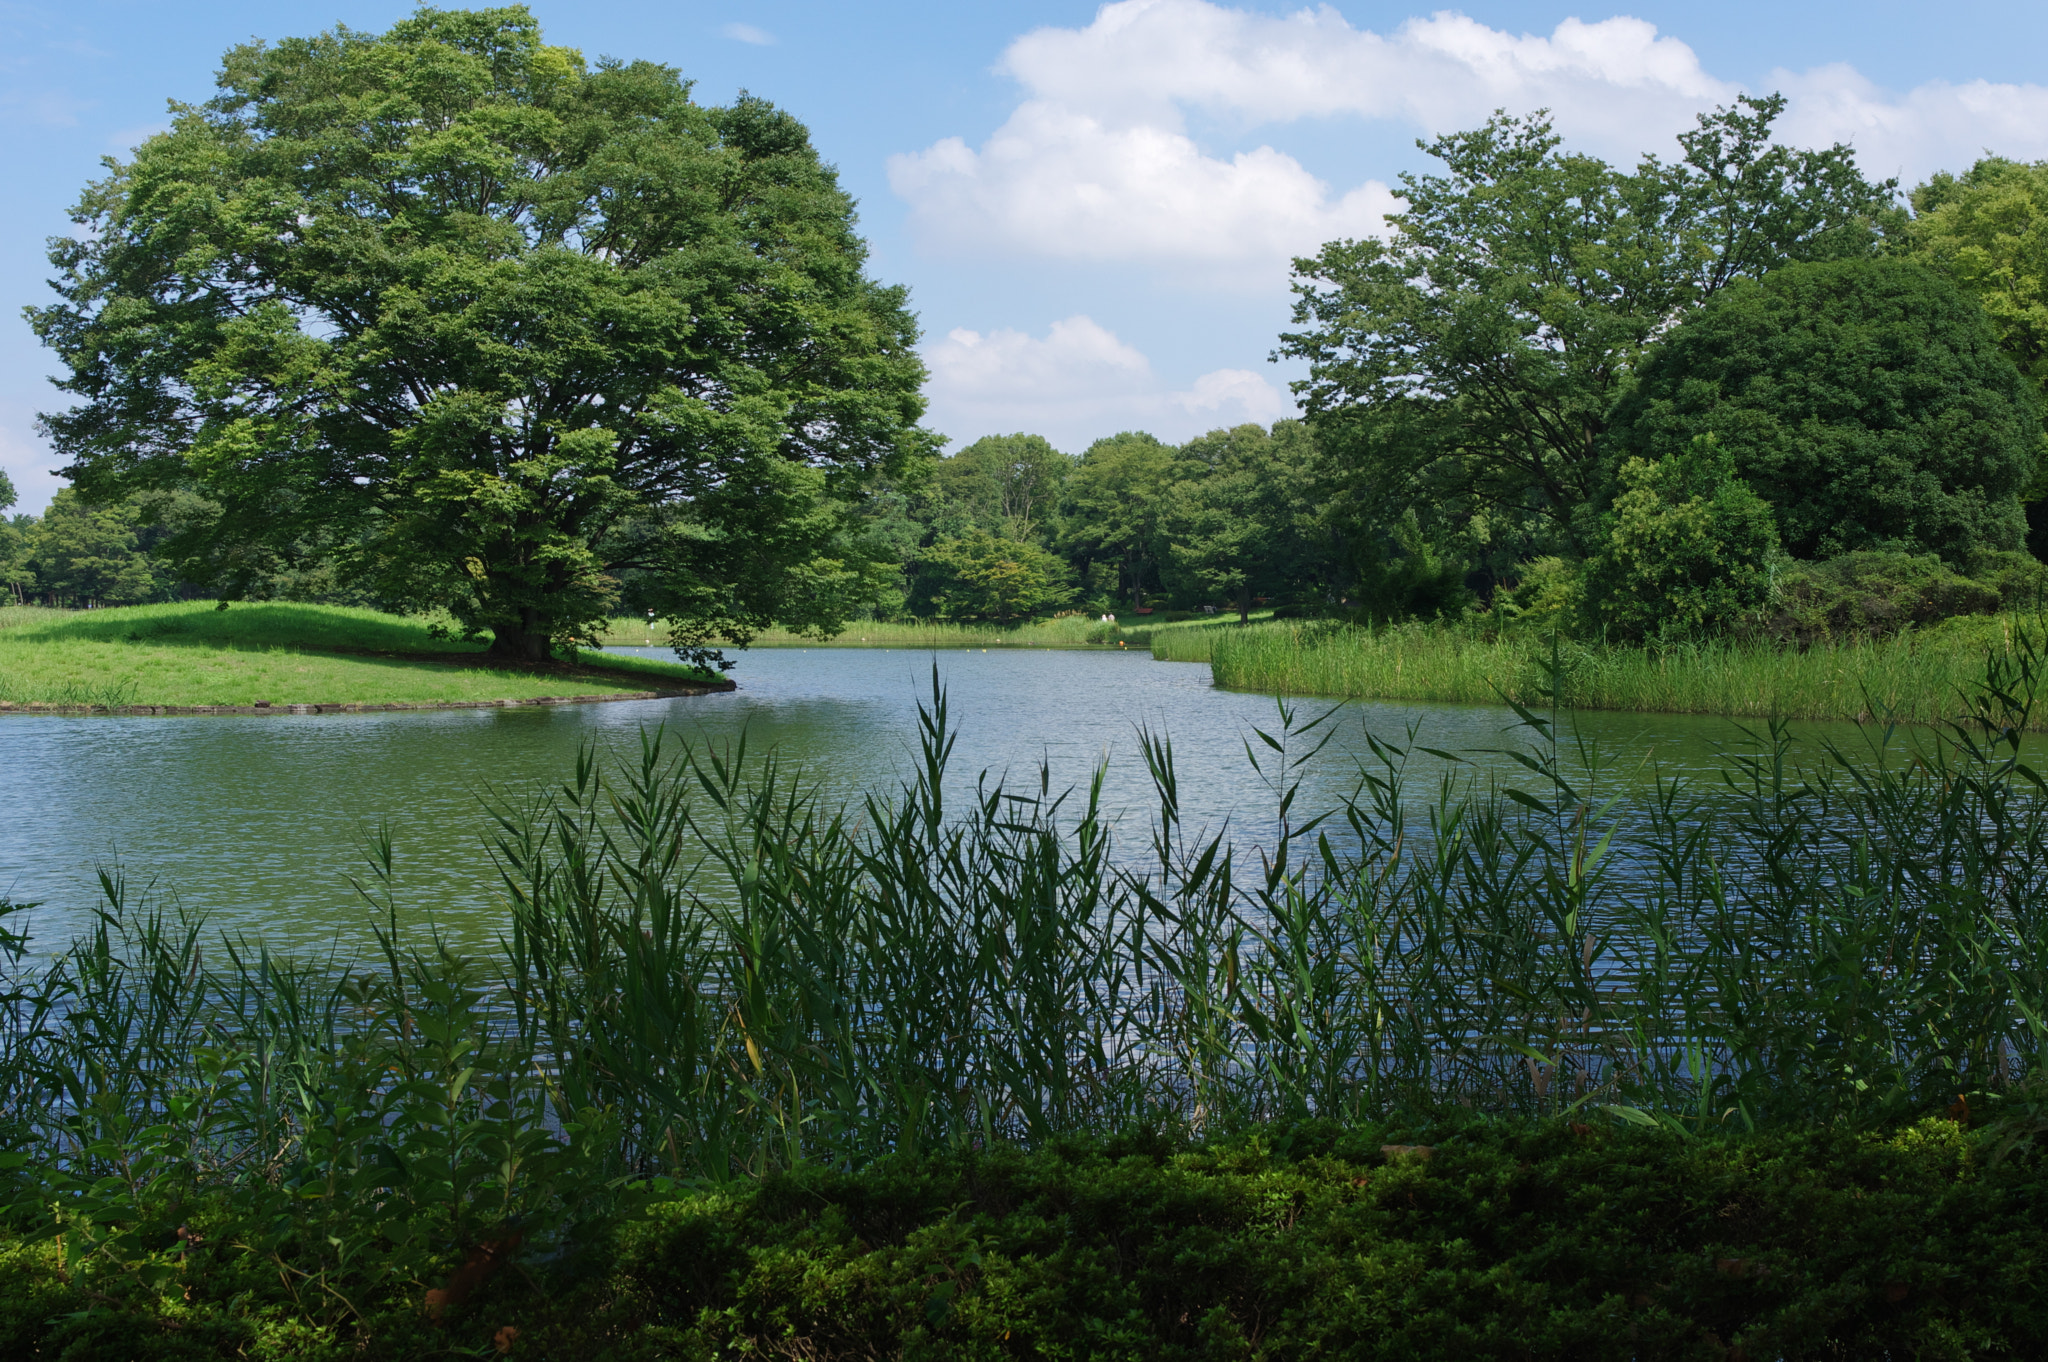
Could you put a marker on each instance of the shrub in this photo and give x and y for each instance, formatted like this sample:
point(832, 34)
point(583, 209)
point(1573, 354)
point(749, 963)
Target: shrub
point(1685, 548)
point(1873, 594)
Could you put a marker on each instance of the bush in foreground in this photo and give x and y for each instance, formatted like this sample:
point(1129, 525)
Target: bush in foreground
point(1566, 1240)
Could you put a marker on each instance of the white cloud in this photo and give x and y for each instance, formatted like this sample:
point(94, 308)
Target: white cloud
point(1076, 383)
point(1096, 162)
point(747, 33)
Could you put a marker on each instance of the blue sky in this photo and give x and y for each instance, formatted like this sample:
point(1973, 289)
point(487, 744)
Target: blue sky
point(1093, 207)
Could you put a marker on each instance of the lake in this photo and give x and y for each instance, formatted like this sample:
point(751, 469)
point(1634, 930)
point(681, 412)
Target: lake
point(260, 822)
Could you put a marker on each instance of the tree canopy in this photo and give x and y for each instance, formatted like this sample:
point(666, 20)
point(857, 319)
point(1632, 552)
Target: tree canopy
point(488, 326)
point(1866, 400)
point(1518, 290)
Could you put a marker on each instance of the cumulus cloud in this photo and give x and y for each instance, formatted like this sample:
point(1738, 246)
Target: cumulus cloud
point(1076, 383)
point(1096, 162)
point(747, 33)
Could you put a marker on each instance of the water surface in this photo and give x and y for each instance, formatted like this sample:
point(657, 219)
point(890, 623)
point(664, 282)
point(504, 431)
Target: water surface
point(261, 822)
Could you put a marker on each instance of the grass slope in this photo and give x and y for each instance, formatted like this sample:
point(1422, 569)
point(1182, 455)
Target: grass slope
point(1913, 677)
point(192, 653)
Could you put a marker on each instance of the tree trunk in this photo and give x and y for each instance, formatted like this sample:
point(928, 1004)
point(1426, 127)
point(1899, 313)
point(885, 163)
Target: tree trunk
point(1244, 605)
point(525, 641)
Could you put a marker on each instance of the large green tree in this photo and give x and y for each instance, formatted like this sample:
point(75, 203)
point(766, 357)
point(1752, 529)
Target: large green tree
point(1235, 516)
point(1495, 325)
point(491, 326)
point(980, 576)
point(1866, 400)
point(1115, 497)
point(1008, 485)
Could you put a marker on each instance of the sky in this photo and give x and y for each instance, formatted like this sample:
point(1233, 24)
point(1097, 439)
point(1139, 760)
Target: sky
point(1093, 207)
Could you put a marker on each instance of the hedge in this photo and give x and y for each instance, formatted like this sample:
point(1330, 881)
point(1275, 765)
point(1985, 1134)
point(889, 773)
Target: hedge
point(1564, 1240)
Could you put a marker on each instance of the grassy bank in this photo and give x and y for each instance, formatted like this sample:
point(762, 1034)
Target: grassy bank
point(1067, 631)
point(1913, 677)
point(743, 1071)
point(193, 654)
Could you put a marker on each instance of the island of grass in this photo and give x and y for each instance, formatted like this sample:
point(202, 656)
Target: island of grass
point(281, 656)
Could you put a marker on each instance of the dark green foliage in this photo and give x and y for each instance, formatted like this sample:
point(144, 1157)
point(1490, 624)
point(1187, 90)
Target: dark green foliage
point(1871, 594)
point(1554, 1240)
point(980, 576)
point(84, 555)
point(1412, 578)
point(1236, 515)
point(1684, 551)
point(1866, 400)
point(1115, 498)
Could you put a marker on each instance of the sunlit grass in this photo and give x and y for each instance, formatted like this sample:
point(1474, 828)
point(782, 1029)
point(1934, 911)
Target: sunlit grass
point(191, 653)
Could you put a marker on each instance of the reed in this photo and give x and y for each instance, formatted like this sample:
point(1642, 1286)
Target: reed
point(711, 972)
point(1916, 678)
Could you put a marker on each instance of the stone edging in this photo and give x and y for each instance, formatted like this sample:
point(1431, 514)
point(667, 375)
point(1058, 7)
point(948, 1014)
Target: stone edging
point(9, 707)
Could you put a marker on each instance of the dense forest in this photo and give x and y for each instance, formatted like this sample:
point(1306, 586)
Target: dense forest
point(1640, 403)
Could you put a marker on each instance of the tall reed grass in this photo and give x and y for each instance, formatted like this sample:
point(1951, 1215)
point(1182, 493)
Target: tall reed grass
point(710, 971)
point(1919, 678)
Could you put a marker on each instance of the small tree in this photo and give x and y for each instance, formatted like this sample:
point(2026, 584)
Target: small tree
point(982, 577)
point(1686, 548)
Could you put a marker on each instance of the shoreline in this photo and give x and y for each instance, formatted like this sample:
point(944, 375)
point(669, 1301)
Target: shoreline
point(9, 707)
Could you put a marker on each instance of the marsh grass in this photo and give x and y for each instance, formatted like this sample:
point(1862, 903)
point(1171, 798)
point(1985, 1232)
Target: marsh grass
point(1913, 677)
point(191, 653)
point(709, 972)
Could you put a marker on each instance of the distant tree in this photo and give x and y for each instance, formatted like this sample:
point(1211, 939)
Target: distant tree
point(1518, 291)
point(983, 577)
point(1866, 400)
point(489, 327)
point(1008, 485)
point(85, 554)
point(1234, 518)
point(1686, 548)
point(1115, 498)
point(17, 577)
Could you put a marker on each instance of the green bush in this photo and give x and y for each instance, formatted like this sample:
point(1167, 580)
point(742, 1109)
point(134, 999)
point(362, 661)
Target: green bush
point(1583, 1240)
point(1873, 594)
point(1684, 550)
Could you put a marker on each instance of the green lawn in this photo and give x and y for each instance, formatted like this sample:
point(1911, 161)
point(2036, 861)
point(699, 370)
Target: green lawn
point(192, 653)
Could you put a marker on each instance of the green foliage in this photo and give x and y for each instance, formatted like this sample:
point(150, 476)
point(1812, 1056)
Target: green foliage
point(1008, 485)
point(1550, 595)
point(1873, 594)
point(1473, 356)
point(1234, 518)
point(1987, 229)
point(1416, 580)
point(1866, 400)
point(1686, 550)
point(982, 577)
point(1115, 498)
point(85, 554)
point(488, 327)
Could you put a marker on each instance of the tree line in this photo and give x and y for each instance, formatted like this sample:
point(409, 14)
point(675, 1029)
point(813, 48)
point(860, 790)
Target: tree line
point(447, 318)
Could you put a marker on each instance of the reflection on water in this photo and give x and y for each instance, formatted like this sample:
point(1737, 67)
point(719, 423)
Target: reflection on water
point(260, 822)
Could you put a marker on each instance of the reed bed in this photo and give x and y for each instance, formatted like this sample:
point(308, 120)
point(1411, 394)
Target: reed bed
point(711, 972)
point(1915, 678)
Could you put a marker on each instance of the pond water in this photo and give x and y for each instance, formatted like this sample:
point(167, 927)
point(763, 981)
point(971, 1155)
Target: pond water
point(260, 822)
